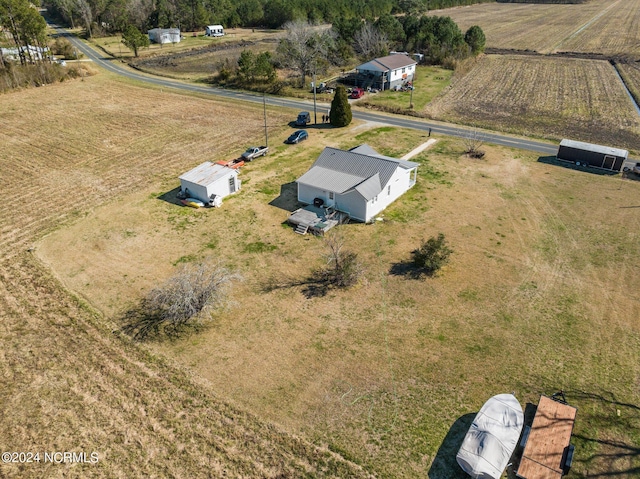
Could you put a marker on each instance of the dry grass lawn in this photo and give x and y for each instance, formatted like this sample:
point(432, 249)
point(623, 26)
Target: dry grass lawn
point(67, 383)
point(545, 97)
point(608, 27)
point(539, 295)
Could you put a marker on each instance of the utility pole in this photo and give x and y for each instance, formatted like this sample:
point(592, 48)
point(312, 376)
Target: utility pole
point(315, 87)
point(264, 109)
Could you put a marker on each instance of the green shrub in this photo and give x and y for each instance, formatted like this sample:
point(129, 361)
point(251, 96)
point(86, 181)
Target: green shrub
point(340, 114)
point(432, 254)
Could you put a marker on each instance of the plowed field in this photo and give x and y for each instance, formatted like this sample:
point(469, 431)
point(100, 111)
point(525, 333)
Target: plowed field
point(547, 97)
point(67, 383)
point(608, 27)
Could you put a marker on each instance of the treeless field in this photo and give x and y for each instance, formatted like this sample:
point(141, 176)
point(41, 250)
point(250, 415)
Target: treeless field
point(67, 382)
point(539, 296)
point(608, 27)
point(631, 74)
point(546, 97)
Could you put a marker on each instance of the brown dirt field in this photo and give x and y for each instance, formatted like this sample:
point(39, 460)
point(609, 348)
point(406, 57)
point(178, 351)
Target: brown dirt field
point(538, 297)
point(68, 382)
point(546, 97)
point(631, 74)
point(608, 27)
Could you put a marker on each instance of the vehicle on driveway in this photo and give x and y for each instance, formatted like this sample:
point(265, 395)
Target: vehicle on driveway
point(356, 93)
point(254, 152)
point(303, 118)
point(297, 137)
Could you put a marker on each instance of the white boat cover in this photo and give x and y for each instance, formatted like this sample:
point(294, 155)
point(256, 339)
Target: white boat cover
point(492, 438)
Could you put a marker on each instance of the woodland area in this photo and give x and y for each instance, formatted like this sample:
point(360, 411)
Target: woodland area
point(113, 16)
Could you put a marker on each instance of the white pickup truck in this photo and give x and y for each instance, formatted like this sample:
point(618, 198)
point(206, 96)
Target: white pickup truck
point(631, 167)
point(254, 152)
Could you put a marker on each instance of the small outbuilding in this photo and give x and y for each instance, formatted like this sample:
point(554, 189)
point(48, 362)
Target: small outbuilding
point(214, 31)
point(359, 182)
point(386, 73)
point(164, 35)
point(209, 183)
point(588, 154)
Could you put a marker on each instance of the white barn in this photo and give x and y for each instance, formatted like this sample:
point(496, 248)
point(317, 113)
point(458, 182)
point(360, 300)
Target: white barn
point(385, 73)
point(164, 35)
point(209, 182)
point(214, 31)
point(359, 182)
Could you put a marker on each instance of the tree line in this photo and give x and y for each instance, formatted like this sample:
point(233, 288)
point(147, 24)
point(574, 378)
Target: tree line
point(113, 16)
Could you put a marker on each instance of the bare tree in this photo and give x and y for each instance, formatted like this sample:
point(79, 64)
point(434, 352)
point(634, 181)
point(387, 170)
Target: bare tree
point(185, 298)
point(343, 268)
point(84, 10)
point(473, 141)
point(304, 47)
point(370, 42)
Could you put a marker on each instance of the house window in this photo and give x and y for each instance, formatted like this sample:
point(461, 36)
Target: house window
point(403, 70)
point(389, 190)
point(331, 195)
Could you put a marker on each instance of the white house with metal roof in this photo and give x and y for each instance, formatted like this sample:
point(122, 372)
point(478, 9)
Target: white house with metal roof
point(164, 35)
point(360, 182)
point(385, 73)
point(209, 182)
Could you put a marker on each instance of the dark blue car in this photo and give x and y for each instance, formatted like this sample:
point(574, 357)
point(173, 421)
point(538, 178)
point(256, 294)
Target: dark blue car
point(297, 136)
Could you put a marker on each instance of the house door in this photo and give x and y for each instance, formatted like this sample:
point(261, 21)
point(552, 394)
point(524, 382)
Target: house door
point(609, 161)
point(232, 184)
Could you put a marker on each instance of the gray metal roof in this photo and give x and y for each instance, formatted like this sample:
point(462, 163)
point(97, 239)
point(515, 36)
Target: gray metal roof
point(390, 62)
point(370, 187)
point(207, 173)
point(365, 149)
point(606, 150)
point(339, 171)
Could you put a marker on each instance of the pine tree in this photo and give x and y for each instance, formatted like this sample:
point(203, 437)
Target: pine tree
point(340, 114)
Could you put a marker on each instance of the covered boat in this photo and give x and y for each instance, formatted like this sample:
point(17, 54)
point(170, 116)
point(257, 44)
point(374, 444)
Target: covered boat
point(492, 438)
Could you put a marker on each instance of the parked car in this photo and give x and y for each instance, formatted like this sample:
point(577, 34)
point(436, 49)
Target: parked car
point(297, 137)
point(356, 93)
point(254, 152)
point(631, 168)
point(303, 118)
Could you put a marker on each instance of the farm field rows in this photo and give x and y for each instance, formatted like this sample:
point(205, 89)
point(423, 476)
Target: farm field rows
point(607, 27)
point(542, 96)
point(388, 373)
point(68, 382)
point(631, 74)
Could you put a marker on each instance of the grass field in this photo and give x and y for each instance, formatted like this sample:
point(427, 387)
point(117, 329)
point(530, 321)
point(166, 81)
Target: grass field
point(67, 382)
point(545, 97)
point(428, 83)
point(539, 295)
point(608, 27)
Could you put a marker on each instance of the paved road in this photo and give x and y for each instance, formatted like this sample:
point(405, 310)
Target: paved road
point(114, 66)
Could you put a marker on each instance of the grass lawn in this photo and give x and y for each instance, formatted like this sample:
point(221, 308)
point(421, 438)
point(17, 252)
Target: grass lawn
point(429, 82)
point(538, 297)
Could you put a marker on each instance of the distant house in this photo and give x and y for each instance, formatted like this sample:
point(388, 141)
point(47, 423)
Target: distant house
point(209, 183)
point(164, 35)
point(359, 182)
point(214, 31)
point(386, 73)
point(30, 52)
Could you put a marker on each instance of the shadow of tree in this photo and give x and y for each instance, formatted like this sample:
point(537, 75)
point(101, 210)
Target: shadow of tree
point(409, 270)
point(315, 285)
point(444, 466)
point(599, 452)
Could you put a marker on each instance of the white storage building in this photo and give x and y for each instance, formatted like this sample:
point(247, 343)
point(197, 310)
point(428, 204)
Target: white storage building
point(209, 182)
point(164, 35)
point(214, 31)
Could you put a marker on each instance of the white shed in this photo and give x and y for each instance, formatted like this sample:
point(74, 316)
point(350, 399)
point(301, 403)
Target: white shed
point(209, 181)
point(164, 35)
point(214, 31)
point(359, 182)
